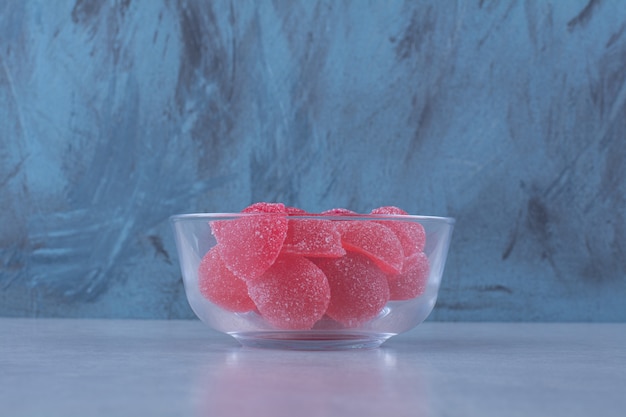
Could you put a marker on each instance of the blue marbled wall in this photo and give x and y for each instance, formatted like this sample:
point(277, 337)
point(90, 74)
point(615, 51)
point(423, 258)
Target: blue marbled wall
point(508, 115)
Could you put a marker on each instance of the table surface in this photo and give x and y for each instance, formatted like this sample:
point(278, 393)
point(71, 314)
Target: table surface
point(58, 367)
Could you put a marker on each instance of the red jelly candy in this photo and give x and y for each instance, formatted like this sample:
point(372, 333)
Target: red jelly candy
point(312, 237)
point(339, 212)
point(411, 282)
point(358, 289)
point(220, 286)
point(292, 294)
point(411, 234)
point(374, 240)
point(250, 245)
point(295, 211)
point(265, 208)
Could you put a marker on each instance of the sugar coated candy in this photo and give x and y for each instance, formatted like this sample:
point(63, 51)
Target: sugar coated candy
point(412, 281)
point(222, 287)
point(411, 234)
point(266, 208)
point(296, 268)
point(295, 211)
point(358, 288)
point(250, 245)
point(313, 237)
point(292, 294)
point(339, 212)
point(374, 240)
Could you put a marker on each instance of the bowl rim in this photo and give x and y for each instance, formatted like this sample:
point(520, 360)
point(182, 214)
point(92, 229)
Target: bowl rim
point(314, 216)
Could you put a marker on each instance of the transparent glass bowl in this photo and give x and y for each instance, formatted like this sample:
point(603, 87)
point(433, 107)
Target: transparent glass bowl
point(195, 238)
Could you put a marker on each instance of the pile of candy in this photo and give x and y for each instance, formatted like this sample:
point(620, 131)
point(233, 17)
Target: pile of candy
point(293, 271)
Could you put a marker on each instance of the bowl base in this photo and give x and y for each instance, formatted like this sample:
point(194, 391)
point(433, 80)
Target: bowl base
point(311, 340)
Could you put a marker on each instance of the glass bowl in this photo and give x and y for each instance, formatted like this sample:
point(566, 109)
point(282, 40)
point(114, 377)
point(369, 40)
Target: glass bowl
point(313, 282)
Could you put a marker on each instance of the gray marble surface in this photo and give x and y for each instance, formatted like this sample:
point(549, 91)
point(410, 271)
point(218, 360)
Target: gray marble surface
point(114, 368)
point(508, 115)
